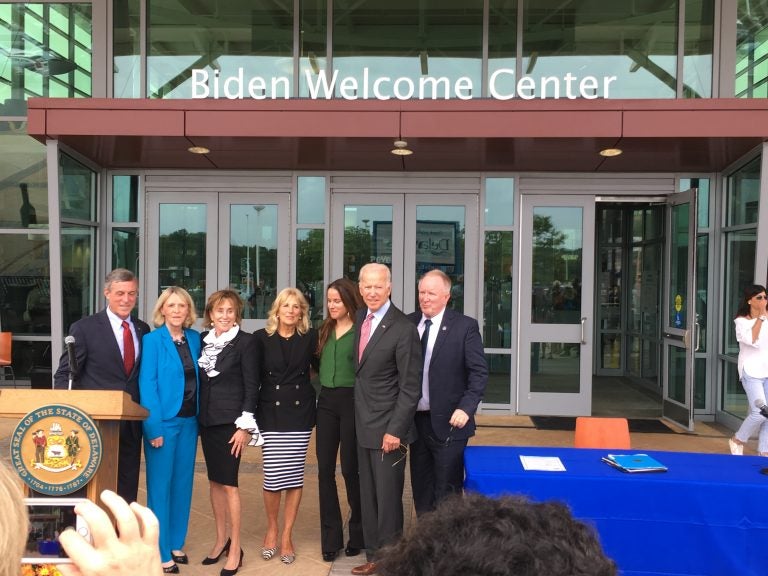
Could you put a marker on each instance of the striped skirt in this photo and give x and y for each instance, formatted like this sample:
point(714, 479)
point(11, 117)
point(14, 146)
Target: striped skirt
point(284, 456)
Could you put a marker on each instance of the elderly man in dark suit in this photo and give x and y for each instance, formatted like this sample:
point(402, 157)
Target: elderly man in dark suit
point(108, 350)
point(387, 364)
point(453, 383)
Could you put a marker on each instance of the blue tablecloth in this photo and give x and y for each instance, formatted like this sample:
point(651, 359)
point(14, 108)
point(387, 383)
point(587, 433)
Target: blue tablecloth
point(708, 515)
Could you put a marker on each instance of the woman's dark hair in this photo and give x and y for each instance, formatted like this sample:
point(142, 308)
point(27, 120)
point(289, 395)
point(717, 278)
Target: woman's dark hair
point(749, 292)
point(350, 296)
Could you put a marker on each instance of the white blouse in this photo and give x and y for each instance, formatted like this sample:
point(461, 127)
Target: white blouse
point(753, 356)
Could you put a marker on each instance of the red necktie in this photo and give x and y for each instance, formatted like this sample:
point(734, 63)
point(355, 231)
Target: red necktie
point(365, 335)
point(129, 352)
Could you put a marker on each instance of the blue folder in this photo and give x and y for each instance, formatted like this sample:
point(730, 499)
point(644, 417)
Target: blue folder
point(634, 463)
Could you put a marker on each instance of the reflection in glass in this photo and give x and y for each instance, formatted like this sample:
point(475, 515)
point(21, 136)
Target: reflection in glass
point(253, 256)
point(739, 272)
point(440, 245)
point(77, 190)
point(610, 351)
point(125, 249)
point(499, 374)
point(702, 198)
point(23, 178)
point(367, 237)
point(603, 39)
point(126, 47)
point(24, 284)
point(313, 38)
point(676, 369)
point(734, 400)
point(702, 265)
point(229, 38)
point(45, 50)
point(125, 198)
point(502, 42)
point(555, 367)
point(499, 283)
point(78, 275)
point(311, 200)
point(557, 252)
point(181, 254)
point(752, 37)
point(678, 280)
point(499, 201)
point(743, 194)
point(433, 39)
point(698, 47)
point(310, 255)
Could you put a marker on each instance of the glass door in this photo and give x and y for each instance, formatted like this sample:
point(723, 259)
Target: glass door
point(556, 304)
point(681, 332)
point(412, 234)
point(209, 241)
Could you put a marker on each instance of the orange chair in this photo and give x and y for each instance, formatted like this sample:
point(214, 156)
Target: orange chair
point(6, 340)
point(594, 432)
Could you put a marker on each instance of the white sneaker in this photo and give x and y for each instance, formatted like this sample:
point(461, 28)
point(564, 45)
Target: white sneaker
point(736, 448)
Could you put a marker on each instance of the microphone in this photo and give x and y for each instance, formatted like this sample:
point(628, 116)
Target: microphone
point(762, 406)
point(69, 342)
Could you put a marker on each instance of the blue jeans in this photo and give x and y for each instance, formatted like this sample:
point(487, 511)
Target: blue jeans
point(756, 389)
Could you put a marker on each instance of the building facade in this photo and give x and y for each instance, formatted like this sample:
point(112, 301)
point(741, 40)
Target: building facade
point(588, 173)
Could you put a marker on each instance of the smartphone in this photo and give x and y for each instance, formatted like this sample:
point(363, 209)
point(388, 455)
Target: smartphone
point(49, 517)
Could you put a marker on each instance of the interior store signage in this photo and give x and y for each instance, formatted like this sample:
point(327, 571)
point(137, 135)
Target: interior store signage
point(237, 87)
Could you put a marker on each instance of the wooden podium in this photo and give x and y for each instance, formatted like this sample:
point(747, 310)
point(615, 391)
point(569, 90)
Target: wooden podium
point(105, 407)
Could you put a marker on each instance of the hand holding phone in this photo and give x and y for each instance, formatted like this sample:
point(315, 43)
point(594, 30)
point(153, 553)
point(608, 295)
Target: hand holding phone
point(134, 551)
point(48, 518)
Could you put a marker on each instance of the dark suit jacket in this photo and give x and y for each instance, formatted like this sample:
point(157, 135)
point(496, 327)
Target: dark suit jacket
point(458, 372)
point(388, 380)
point(287, 400)
point(225, 397)
point(99, 362)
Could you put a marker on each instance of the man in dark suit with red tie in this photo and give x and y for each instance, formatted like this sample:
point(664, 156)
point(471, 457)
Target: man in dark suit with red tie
point(108, 350)
point(453, 383)
point(387, 366)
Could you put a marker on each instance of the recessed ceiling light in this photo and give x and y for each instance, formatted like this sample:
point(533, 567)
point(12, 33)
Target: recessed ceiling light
point(401, 148)
point(609, 152)
point(198, 150)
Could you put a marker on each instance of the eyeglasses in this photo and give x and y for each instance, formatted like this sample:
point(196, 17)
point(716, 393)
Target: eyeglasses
point(760, 297)
point(403, 453)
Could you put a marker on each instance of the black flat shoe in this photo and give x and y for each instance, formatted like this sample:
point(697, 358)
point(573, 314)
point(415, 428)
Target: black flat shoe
point(351, 551)
point(225, 572)
point(180, 558)
point(171, 569)
point(208, 560)
point(329, 556)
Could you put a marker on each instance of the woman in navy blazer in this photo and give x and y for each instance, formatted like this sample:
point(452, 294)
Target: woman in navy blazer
point(168, 386)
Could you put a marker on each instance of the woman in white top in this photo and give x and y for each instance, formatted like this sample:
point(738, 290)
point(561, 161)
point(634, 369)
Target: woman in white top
point(752, 336)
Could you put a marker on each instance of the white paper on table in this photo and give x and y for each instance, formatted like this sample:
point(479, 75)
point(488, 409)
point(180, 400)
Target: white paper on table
point(545, 463)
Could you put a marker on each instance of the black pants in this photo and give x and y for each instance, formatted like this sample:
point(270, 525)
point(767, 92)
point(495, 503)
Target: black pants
point(129, 460)
point(336, 433)
point(437, 465)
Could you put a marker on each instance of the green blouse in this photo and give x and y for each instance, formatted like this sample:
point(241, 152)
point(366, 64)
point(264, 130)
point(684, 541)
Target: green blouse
point(337, 365)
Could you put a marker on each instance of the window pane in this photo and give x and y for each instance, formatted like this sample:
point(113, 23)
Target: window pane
point(127, 49)
point(555, 367)
point(734, 399)
point(77, 264)
point(231, 38)
point(429, 39)
point(601, 39)
point(751, 49)
point(739, 272)
point(313, 22)
point(24, 284)
point(744, 194)
point(125, 249)
point(367, 237)
point(499, 201)
point(311, 191)
point(125, 198)
point(702, 267)
point(43, 48)
point(498, 283)
point(310, 252)
point(698, 49)
point(181, 254)
point(23, 175)
point(499, 374)
point(78, 190)
point(502, 42)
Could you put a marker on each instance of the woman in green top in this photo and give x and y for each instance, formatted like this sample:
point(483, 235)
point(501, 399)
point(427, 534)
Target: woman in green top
point(336, 420)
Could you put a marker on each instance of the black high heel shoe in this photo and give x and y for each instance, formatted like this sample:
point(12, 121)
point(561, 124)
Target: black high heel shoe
point(208, 560)
point(225, 572)
point(180, 558)
point(174, 569)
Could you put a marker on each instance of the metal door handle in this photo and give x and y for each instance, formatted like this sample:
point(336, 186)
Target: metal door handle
point(583, 323)
point(697, 329)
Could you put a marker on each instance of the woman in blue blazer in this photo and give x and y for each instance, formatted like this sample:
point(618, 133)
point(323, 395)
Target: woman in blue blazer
point(168, 388)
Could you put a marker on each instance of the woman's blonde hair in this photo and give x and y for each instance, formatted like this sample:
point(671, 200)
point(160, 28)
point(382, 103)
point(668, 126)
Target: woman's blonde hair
point(286, 294)
point(14, 525)
point(157, 311)
point(217, 298)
